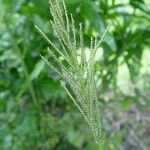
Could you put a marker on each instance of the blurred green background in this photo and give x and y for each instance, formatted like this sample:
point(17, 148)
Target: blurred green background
point(35, 111)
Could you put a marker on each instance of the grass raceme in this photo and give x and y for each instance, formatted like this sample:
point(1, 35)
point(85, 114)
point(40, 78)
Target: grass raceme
point(74, 67)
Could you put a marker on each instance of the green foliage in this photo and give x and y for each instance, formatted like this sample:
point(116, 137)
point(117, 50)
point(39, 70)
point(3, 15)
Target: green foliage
point(36, 113)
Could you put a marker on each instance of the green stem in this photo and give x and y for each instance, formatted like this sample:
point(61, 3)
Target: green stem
point(18, 51)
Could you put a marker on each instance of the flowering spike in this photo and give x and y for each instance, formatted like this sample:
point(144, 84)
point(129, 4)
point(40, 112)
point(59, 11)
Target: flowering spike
point(79, 81)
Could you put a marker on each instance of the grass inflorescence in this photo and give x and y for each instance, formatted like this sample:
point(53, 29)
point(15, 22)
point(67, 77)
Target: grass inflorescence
point(75, 69)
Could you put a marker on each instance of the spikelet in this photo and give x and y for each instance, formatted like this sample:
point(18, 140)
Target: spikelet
point(77, 77)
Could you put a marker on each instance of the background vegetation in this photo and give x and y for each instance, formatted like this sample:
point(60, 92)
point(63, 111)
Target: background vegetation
point(35, 111)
